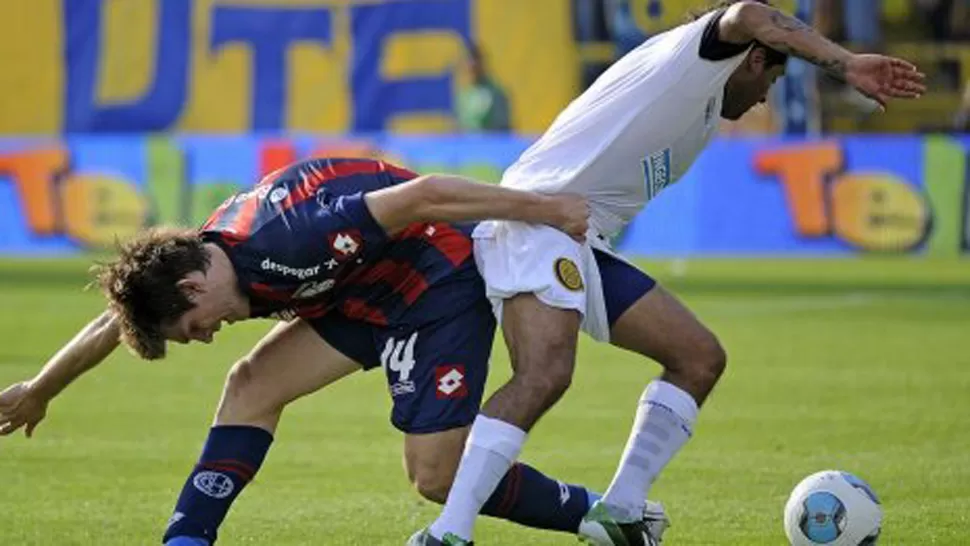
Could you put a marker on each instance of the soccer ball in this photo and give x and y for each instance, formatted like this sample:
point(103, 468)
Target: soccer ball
point(833, 508)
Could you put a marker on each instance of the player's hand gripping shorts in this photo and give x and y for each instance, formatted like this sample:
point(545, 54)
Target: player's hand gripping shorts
point(515, 258)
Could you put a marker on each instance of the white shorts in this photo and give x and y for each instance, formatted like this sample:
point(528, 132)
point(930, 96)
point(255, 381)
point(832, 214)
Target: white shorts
point(515, 258)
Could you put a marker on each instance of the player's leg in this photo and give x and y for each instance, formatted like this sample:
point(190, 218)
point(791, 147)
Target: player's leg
point(534, 271)
point(437, 392)
point(542, 349)
point(524, 495)
point(291, 361)
point(648, 320)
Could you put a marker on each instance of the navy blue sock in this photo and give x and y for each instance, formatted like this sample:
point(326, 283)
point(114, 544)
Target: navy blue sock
point(230, 459)
point(527, 497)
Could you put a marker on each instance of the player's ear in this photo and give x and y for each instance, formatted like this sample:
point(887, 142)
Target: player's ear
point(757, 60)
point(190, 286)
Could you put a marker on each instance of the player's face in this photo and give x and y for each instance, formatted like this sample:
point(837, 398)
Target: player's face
point(193, 326)
point(202, 321)
point(749, 85)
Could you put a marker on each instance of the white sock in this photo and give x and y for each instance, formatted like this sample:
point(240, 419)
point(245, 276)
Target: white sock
point(492, 447)
point(664, 422)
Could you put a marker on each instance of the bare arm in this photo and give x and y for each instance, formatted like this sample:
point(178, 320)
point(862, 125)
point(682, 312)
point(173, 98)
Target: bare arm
point(745, 22)
point(447, 198)
point(26, 403)
point(876, 76)
point(86, 350)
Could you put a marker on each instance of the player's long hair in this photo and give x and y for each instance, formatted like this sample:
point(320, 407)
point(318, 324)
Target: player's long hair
point(141, 284)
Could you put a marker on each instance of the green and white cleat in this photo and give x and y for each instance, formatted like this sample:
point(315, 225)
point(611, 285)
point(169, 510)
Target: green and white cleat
point(601, 529)
point(424, 538)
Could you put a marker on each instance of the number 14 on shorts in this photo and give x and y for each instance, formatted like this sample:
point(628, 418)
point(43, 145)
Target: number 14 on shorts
point(398, 356)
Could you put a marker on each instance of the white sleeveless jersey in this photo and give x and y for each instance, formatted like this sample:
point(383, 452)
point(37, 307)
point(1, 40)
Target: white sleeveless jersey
point(636, 130)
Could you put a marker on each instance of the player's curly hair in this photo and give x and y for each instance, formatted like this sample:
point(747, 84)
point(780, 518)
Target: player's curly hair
point(772, 57)
point(141, 284)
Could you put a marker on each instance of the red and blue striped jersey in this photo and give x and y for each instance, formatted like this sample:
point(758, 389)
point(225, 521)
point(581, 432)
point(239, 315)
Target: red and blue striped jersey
point(303, 243)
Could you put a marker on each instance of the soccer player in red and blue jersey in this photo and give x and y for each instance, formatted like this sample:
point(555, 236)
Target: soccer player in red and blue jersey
point(366, 266)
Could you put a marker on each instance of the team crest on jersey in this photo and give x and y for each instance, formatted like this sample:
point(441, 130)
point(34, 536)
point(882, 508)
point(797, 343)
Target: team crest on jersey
point(656, 170)
point(568, 275)
point(346, 244)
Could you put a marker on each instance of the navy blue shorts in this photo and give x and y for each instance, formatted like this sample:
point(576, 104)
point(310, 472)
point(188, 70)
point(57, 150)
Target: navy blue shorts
point(623, 284)
point(435, 372)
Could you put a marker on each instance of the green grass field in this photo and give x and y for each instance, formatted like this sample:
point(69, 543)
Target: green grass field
point(860, 365)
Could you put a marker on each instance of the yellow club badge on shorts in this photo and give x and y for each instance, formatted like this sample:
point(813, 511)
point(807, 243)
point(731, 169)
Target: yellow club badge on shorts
point(568, 274)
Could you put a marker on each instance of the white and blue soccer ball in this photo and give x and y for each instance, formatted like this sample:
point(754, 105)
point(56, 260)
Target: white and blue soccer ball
point(833, 508)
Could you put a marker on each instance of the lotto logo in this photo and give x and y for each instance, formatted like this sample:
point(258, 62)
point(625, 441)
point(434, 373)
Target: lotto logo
point(346, 243)
point(451, 381)
point(563, 493)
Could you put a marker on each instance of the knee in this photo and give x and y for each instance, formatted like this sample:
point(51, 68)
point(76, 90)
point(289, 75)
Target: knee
point(710, 361)
point(430, 483)
point(241, 379)
point(716, 359)
point(699, 363)
point(246, 396)
point(548, 382)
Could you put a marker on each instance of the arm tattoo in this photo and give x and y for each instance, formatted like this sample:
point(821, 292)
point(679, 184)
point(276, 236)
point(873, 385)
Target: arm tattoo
point(789, 24)
point(782, 26)
point(834, 67)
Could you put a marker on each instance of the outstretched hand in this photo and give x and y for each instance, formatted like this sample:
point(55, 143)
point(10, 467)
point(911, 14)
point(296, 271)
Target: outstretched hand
point(19, 407)
point(884, 78)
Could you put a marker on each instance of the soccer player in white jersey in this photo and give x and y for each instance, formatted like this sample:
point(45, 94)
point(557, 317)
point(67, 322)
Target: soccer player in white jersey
point(636, 130)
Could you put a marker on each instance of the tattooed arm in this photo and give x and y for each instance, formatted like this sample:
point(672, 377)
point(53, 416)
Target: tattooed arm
point(878, 77)
point(747, 21)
